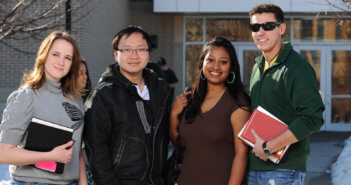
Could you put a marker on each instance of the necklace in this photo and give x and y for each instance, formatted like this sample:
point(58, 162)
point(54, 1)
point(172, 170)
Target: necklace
point(268, 63)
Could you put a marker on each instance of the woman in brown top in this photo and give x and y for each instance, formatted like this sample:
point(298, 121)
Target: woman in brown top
point(219, 108)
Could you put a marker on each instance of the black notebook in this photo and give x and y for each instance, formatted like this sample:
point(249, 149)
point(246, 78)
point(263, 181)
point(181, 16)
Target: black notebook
point(44, 136)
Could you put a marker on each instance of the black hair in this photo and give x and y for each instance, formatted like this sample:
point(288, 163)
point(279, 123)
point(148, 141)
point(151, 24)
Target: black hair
point(161, 61)
point(236, 89)
point(269, 8)
point(88, 87)
point(128, 31)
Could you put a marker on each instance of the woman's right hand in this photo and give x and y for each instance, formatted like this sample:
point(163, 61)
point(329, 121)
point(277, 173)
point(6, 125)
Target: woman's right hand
point(62, 153)
point(180, 102)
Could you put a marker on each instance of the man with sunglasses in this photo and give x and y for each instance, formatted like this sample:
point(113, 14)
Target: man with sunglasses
point(283, 83)
point(127, 117)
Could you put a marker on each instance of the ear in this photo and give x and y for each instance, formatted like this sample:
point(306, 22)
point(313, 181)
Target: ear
point(115, 55)
point(282, 28)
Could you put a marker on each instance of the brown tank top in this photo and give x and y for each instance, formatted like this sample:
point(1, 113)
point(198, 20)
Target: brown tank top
point(209, 145)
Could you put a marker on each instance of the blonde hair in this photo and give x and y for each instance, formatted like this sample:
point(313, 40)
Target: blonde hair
point(36, 77)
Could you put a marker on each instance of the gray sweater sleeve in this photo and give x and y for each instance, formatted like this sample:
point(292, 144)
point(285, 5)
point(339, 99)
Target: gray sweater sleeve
point(16, 116)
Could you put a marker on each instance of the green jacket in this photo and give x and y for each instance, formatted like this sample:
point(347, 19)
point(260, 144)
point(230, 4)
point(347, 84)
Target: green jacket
point(288, 90)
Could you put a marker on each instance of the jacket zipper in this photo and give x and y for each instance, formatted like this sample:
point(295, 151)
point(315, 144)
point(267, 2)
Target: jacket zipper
point(153, 141)
point(119, 153)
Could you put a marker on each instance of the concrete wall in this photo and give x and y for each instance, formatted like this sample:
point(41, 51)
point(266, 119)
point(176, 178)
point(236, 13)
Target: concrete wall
point(236, 6)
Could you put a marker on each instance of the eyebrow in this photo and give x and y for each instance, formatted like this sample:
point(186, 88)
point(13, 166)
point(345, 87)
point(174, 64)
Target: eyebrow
point(219, 57)
point(140, 45)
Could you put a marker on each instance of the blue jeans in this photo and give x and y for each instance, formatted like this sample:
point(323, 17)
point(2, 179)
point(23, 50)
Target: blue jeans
point(276, 177)
point(16, 182)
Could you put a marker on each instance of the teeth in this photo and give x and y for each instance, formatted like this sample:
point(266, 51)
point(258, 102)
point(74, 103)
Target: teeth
point(262, 40)
point(215, 73)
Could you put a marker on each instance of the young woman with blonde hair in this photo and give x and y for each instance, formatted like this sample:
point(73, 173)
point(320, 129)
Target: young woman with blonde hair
point(49, 92)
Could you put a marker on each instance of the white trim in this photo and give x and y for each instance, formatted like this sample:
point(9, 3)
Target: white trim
point(42, 122)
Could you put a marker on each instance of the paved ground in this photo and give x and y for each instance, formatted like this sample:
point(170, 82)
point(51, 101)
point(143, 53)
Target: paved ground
point(325, 148)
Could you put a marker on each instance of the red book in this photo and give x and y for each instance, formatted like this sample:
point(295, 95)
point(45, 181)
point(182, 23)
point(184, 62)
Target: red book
point(267, 126)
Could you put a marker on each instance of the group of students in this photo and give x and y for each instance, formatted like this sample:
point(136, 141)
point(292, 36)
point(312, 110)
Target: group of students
point(128, 118)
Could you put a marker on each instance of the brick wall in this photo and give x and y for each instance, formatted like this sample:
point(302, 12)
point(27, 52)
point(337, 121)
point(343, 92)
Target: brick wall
point(105, 19)
point(14, 63)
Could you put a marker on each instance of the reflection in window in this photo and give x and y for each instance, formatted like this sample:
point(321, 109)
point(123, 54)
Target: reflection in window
point(314, 58)
point(236, 30)
point(322, 30)
point(194, 29)
point(233, 29)
point(341, 76)
point(249, 61)
point(341, 110)
point(286, 36)
point(191, 59)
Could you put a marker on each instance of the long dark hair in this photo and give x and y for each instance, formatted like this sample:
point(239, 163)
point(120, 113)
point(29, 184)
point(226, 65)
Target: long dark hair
point(236, 89)
point(88, 87)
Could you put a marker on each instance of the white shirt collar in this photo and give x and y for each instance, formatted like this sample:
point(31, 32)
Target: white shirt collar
point(145, 94)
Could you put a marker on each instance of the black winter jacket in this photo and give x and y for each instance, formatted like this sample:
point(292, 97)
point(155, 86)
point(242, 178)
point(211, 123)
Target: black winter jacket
point(123, 146)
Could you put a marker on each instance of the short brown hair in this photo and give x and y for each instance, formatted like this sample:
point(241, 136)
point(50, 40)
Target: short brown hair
point(69, 83)
point(269, 8)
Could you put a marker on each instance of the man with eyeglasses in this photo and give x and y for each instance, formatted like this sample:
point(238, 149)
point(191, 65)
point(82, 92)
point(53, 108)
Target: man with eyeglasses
point(283, 83)
point(126, 117)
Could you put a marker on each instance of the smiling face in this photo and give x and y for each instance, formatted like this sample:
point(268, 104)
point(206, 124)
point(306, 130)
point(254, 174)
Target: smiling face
point(132, 65)
point(82, 78)
point(216, 66)
point(59, 60)
point(269, 42)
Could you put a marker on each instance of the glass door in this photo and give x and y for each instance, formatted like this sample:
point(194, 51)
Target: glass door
point(246, 56)
point(338, 97)
point(332, 66)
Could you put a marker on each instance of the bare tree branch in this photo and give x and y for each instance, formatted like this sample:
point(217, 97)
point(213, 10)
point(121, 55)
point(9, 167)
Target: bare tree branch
point(29, 19)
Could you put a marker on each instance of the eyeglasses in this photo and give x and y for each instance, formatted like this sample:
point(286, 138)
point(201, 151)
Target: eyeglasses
point(141, 51)
point(267, 26)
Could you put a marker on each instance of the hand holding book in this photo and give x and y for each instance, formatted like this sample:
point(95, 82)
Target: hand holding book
point(44, 136)
point(257, 149)
point(62, 153)
point(266, 127)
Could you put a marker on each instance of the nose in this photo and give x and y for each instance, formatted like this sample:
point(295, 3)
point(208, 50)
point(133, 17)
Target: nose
point(261, 30)
point(216, 64)
point(61, 61)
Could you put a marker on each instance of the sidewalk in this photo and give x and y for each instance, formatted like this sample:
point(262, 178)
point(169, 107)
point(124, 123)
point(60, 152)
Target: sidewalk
point(325, 148)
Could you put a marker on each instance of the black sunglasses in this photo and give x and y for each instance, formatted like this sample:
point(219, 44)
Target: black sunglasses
point(267, 26)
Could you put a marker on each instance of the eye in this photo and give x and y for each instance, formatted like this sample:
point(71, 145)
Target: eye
point(68, 58)
point(55, 54)
point(209, 60)
point(142, 50)
point(224, 62)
